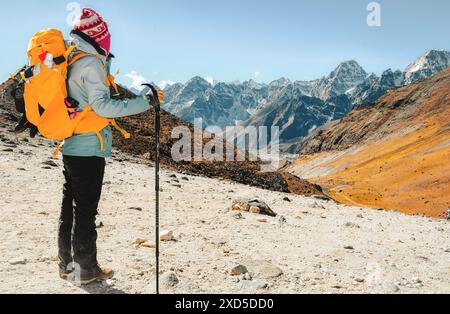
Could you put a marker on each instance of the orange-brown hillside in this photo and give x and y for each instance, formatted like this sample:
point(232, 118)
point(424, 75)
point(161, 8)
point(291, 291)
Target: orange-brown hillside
point(394, 154)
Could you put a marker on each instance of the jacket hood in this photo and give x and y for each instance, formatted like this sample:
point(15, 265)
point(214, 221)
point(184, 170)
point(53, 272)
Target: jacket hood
point(83, 45)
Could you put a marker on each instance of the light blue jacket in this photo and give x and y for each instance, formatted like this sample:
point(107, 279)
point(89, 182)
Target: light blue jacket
point(86, 83)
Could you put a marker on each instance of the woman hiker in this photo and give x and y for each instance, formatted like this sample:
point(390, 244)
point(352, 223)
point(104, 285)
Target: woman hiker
point(84, 160)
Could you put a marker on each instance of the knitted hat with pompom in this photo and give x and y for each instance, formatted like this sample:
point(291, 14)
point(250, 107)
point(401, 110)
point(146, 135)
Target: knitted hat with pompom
point(92, 24)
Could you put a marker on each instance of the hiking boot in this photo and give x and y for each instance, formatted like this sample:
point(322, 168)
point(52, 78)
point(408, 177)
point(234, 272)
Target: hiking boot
point(100, 275)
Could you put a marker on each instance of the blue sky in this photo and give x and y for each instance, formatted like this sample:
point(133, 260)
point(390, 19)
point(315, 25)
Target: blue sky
point(174, 40)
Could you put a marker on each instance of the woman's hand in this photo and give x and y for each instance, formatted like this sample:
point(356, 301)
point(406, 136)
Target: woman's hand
point(160, 94)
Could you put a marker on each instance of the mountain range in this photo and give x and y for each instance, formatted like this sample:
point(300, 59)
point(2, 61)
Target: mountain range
point(297, 107)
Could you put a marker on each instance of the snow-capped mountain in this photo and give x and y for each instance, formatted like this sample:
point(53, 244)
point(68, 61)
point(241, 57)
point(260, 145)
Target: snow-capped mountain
point(225, 104)
point(296, 106)
point(429, 64)
point(374, 87)
point(346, 76)
point(222, 104)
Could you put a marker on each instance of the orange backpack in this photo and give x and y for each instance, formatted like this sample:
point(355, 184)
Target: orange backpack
point(47, 105)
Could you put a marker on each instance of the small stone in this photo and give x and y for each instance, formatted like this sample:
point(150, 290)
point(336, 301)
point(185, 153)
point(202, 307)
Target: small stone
point(263, 269)
point(140, 241)
point(287, 199)
point(236, 215)
point(238, 270)
point(47, 259)
point(18, 261)
point(50, 163)
point(185, 178)
point(219, 242)
point(169, 279)
point(262, 220)
point(360, 280)
point(349, 247)
point(148, 246)
point(322, 197)
point(256, 285)
point(391, 288)
point(282, 220)
point(351, 225)
point(109, 282)
point(166, 235)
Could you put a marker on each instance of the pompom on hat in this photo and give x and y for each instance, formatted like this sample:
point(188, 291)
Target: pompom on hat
point(93, 25)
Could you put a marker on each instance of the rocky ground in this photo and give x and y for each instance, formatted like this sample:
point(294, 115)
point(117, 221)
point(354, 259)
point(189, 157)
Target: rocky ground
point(311, 246)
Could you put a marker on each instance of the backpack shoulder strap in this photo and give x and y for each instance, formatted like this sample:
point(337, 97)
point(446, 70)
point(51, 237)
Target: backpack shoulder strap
point(109, 78)
point(80, 55)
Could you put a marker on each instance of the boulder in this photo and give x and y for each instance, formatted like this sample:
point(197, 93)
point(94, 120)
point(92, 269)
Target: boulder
point(254, 206)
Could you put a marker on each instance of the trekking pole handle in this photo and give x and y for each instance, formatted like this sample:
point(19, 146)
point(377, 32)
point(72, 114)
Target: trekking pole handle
point(154, 93)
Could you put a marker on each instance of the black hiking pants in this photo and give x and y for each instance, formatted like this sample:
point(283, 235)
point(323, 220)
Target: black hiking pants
point(77, 236)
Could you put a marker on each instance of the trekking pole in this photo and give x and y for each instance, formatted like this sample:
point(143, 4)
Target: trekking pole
point(157, 165)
